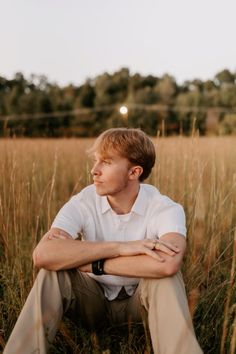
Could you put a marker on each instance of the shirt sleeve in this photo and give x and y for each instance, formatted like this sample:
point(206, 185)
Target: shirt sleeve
point(171, 219)
point(70, 218)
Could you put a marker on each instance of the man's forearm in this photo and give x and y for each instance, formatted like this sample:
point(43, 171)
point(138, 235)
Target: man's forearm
point(143, 265)
point(140, 266)
point(57, 254)
point(67, 254)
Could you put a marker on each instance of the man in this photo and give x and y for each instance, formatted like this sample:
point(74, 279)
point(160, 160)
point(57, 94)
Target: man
point(133, 242)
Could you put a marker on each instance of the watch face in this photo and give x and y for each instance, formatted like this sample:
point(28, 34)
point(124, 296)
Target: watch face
point(97, 267)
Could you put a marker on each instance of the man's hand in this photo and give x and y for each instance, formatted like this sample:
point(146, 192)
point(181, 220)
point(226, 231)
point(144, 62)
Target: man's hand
point(57, 234)
point(171, 248)
point(167, 247)
point(150, 247)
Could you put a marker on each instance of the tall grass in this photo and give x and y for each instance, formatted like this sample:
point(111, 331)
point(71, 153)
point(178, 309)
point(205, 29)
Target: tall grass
point(38, 176)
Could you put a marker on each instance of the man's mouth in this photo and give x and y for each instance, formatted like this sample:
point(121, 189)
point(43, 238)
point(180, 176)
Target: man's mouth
point(97, 182)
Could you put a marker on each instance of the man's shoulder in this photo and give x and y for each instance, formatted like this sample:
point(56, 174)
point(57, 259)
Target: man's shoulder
point(151, 193)
point(156, 198)
point(88, 193)
point(149, 189)
point(84, 200)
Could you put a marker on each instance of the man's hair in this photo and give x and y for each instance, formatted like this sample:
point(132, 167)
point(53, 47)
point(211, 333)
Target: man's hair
point(132, 144)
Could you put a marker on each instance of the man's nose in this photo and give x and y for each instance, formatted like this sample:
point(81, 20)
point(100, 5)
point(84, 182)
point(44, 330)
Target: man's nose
point(95, 170)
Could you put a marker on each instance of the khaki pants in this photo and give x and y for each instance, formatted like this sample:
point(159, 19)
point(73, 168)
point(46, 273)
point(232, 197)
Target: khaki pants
point(77, 295)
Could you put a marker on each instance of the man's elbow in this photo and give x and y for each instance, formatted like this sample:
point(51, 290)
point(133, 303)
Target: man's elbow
point(40, 259)
point(171, 268)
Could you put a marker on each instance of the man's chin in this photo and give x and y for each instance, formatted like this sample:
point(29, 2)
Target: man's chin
point(100, 192)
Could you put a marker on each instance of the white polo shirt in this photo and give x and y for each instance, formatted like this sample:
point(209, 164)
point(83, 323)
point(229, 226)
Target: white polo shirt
point(151, 216)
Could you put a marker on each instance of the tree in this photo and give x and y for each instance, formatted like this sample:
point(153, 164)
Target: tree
point(86, 96)
point(228, 124)
point(166, 89)
point(225, 77)
point(177, 105)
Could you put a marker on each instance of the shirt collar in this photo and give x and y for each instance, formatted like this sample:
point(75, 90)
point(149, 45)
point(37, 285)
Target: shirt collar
point(105, 205)
point(140, 203)
point(139, 206)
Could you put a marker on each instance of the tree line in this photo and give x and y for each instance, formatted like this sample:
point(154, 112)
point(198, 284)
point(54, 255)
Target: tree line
point(35, 107)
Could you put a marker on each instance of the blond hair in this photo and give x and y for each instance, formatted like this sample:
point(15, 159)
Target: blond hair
point(132, 144)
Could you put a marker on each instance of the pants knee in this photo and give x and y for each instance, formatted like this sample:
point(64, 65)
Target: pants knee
point(168, 286)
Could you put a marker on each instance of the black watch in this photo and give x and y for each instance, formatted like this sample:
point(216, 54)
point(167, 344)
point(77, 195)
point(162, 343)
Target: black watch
point(97, 267)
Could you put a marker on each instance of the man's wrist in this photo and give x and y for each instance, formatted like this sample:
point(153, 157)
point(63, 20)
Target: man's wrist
point(98, 267)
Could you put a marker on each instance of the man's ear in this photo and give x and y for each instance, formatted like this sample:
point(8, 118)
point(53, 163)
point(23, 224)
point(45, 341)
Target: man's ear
point(135, 172)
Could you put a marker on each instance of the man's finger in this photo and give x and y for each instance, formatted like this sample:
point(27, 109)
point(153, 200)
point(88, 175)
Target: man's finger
point(154, 255)
point(169, 245)
point(57, 236)
point(164, 248)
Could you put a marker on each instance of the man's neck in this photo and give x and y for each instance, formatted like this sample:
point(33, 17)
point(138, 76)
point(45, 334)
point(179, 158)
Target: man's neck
point(123, 202)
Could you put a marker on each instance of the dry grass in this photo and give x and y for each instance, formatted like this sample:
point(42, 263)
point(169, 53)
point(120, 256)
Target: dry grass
point(38, 176)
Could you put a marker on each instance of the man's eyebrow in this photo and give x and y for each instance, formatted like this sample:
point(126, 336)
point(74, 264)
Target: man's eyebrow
point(107, 158)
point(104, 157)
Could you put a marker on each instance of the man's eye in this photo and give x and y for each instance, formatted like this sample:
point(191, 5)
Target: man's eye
point(106, 162)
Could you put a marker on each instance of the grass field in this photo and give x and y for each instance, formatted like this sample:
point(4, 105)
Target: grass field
point(38, 176)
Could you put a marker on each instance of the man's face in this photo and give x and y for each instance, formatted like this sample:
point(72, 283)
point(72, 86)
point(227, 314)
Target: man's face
point(110, 174)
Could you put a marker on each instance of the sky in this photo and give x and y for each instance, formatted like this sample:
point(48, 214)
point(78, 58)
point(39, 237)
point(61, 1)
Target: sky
point(70, 41)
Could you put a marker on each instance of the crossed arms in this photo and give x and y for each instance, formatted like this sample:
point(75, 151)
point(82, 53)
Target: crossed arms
point(57, 251)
